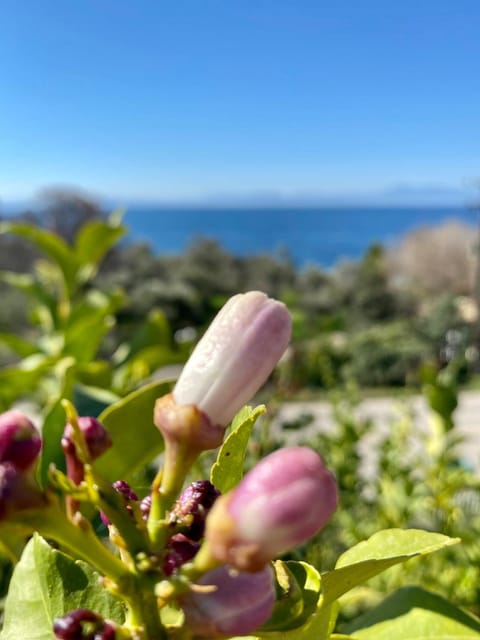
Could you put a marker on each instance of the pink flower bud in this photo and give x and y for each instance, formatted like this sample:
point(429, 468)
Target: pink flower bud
point(240, 603)
point(97, 440)
point(18, 491)
point(20, 442)
point(281, 503)
point(235, 356)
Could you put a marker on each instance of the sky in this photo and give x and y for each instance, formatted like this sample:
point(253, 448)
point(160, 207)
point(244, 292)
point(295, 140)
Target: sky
point(241, 100)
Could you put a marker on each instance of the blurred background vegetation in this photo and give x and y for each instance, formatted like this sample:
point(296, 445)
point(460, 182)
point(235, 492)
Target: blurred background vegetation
point(88, 315)
point(374, 320)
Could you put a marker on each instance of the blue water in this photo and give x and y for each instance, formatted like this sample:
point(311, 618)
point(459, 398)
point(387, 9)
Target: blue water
point(322, 236)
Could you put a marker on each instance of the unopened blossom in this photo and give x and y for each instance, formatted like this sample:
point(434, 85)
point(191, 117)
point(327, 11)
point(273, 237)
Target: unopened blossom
point(239, 603)
point(281, 503)
point(20, 442)
point(97, 440)
point(235, 356)
point(83, 624)
point(18, 491)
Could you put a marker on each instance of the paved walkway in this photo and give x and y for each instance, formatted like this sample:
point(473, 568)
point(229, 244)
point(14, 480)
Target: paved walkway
point(382, 411)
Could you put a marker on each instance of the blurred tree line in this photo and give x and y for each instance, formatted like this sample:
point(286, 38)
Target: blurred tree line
point(375, 320)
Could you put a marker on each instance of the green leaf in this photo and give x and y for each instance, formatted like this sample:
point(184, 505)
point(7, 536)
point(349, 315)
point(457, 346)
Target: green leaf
point(412, 613)
point(373, 556)
point(227, 471)
point(47, 584)
point(18, 381)
point(287, 613)
point(92, 242)
point(154, 331)
point(51, 244)
point(52, 432)
point(18, 345)
point(136, 440)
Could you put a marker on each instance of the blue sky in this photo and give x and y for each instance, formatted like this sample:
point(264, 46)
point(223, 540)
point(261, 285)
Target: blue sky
point(248, 99)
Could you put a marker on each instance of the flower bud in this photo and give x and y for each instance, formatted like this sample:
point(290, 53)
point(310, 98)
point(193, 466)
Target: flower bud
point(18, 491)
point(128, 495)
point(240, 603)
point(97, 441)
point(235, 356)
point(179, 551)
point(83, 624)
point(20, 442)
point(281, 503)
point(192, 507)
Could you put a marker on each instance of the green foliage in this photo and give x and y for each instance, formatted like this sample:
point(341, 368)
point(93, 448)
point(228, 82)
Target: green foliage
point(414, 479)
point(45, 584)
point(385, 355)
point(130, 424)
point(414, 610)
point(72, 320)
point(227, 471)
point(381, 551)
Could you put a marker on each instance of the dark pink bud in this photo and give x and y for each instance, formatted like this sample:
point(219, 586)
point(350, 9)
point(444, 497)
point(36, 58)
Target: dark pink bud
point(240, 603)
point(96, 436)
point(18, 491)
point(97, 440)
point(128, 495)
point(190, 510)
point(281, 503)
point(179, 551)
point(83, 624)
point(20, 442)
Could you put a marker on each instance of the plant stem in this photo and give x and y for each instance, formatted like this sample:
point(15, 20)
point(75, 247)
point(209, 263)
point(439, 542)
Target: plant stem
point(79, 539)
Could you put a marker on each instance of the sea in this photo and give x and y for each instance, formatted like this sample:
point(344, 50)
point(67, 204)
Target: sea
point(321, 236)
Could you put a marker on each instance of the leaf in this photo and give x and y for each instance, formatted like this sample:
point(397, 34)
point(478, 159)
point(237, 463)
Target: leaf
point(20, 380)
point(52, 431)
point(291, 616)
point(412, 613)
point(227, 470)
point(154, 331)
point(373, 556)
point(18, 345)
point(47, 584)
point(136, 440)
point(92, 242)
point(56, 248)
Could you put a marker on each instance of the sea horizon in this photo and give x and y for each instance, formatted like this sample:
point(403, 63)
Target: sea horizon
point(309, 235)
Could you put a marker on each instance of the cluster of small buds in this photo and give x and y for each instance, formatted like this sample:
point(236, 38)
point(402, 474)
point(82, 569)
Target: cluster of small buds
point(192, 507)
point(83, 624)
point(128, 495)
point(188, 514)
point(179, 550)
point(20, 445)
point(97, 441)
point(227, 542)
